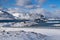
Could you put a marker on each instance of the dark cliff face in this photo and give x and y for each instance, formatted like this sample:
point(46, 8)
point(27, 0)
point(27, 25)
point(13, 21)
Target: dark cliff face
point(41, 19)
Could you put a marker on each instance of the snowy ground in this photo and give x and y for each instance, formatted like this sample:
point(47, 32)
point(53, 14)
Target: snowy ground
point(54, 34)
point(21, 35)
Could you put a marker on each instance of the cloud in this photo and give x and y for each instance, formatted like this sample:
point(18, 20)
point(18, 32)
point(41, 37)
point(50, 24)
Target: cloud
point(29, 3)
point(1, 8)
point(53, 5)
point(37, 11)
point(29, 6)
point(57, 13)
point(23, 2)
point(40, 1)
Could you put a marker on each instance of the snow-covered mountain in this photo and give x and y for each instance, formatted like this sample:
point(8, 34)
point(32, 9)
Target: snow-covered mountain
point(20, 13)
point(12, 14)
point(34, 18)
point(24, 15)
point(31, 14)
point(5, 15)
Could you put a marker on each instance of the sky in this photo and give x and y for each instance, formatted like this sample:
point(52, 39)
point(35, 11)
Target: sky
point(49, 4)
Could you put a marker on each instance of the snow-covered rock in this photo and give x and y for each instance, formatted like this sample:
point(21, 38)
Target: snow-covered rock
point(21, 35)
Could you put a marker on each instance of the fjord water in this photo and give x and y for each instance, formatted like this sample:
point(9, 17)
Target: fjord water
point(48, 24)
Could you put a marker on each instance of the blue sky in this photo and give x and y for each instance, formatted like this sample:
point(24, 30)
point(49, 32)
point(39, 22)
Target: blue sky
point(51, 2)
point(48, 4)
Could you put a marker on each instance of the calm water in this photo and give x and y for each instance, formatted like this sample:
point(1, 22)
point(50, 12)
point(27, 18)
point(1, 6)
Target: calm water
point(5, 21)
point(41, 25)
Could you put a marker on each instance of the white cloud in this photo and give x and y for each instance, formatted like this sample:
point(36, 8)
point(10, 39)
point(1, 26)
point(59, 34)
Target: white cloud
point(53, 5)
point(1, 8)
point(40, 1)
point(29, 6)
point(57, 13)
point(23, 2)
point(29, 3)
point(37, 11)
